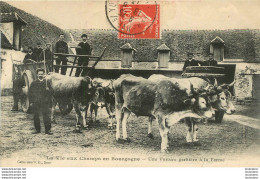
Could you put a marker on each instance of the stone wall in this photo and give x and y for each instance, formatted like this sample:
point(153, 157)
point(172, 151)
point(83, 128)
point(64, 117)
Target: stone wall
point(244, 78)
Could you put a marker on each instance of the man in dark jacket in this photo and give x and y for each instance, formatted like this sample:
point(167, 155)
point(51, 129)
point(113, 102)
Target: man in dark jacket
point(83, 48)
point(40, 98)
point(18, 84)
point(61, 47)
point(190, 61)
point(47, 54)
point(36, 52)
point(211, 61)
point(29, 56)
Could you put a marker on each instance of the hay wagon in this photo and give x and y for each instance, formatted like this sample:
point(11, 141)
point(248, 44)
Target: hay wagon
point(27, 73)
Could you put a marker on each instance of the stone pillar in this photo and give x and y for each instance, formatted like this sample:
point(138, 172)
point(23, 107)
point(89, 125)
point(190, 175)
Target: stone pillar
point(163, 56)
point(127, 55)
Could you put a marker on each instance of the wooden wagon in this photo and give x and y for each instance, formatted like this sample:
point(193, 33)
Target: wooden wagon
point(27, 73)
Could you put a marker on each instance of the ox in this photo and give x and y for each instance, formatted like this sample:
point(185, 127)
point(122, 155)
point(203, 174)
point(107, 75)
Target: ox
point(103, 96)
point(164, 101)
point(220, 97)
point(76, 90)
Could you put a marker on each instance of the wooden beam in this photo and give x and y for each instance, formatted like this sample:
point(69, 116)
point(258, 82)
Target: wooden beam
point(72, 55)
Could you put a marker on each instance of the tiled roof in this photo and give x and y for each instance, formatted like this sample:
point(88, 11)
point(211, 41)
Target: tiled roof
point(36, 30)
point(217, 40)
point(163, 47)
point(127, 46)
point(239, 44)
point(11, 17)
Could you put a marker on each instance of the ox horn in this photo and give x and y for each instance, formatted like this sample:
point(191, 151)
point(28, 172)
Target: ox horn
point(232, 84)
point(207, 80)
point(215, 82)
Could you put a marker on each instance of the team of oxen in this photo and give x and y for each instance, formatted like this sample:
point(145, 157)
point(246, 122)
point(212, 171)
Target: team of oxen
point(168, 100)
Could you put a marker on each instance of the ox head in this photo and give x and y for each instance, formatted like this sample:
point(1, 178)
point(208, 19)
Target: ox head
point(200, 103)
point(100, 94)
point(220, 97)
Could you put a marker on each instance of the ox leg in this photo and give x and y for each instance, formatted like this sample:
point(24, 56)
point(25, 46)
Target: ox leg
point(83, 114)
point(124, 128)
point(53, 105)
point(110, 119)
point(96, 110)
point(195, 132)
point(119, 117)
point(92, 106)
point(164, 135)
point(189, 137)
point(78, 116)
point(150, 122)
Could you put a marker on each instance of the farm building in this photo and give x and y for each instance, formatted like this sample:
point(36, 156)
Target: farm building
point(11, 29)
point(20, 30)
point(236, 50)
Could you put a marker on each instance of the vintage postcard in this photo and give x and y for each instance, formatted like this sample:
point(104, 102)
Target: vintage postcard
point(111, 83)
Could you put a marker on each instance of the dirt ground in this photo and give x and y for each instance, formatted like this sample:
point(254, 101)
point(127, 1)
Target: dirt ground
point(220, 144)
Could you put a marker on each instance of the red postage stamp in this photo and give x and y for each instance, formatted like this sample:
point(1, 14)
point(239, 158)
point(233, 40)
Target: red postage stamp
point(139, 21)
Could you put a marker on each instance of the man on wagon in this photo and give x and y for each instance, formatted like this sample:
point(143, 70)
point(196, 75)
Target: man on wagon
point(83, 48)
point(47, 56)
point(190, 61)
point(211, 61)
point(61, 47)
point(40, 98)
point(29, 56)
point(36, 52)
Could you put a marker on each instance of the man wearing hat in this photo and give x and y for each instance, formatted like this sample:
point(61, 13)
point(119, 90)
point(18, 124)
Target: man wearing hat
point(190, 61)
point(211, 61)
point(47, 55)
point(40, 98)
point(36, 52)
point(61, 47)
point(83, 48)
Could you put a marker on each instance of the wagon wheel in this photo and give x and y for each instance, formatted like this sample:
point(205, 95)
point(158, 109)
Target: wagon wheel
point(65, 108)
point(28, 79)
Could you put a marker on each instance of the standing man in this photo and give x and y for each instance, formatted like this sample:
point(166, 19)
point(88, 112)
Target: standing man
point(211, 61)
point(36, 52)
point(190, 61)
point(61, 47)
point(47, 54)
point(40, 98)
point(83, 48)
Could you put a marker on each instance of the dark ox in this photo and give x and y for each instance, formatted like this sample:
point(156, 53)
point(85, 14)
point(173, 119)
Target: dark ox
point(164, 101)
point(103, 96)
point(76, 90)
